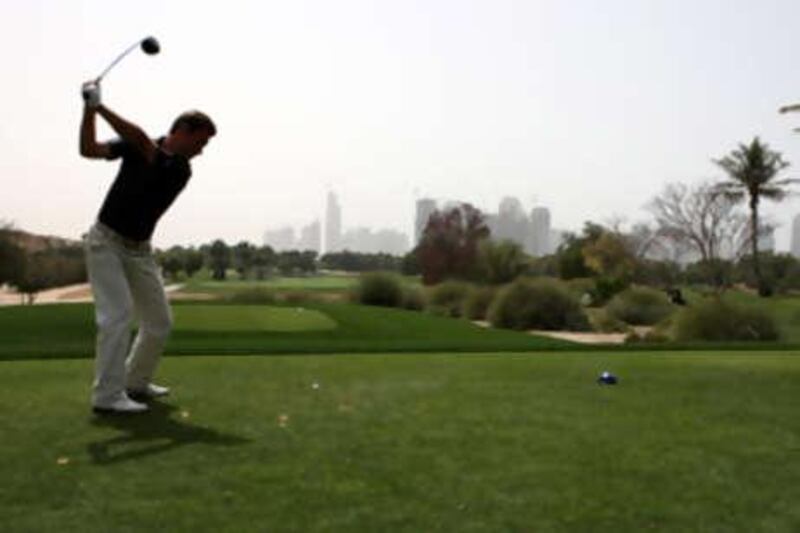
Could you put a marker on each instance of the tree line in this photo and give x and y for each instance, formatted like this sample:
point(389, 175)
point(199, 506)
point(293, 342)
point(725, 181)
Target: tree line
point(705, 221)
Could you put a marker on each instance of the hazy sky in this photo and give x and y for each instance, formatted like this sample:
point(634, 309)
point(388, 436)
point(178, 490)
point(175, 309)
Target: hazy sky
point(586, 106)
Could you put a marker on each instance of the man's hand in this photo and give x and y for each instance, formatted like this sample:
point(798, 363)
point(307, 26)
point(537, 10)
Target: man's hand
point(91, 94)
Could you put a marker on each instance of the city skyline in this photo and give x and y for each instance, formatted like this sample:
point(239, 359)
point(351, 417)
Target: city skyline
point(590, 108)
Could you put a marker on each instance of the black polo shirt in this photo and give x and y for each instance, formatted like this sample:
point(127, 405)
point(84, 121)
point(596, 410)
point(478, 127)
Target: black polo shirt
point(142, 191)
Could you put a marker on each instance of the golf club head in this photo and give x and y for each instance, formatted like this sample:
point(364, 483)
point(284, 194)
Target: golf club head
point(150, 46)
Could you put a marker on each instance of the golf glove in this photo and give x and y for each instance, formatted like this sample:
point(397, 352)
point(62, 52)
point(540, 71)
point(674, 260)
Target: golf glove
point(91, 94)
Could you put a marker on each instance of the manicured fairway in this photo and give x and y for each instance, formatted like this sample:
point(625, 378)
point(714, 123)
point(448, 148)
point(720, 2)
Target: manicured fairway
point(60, 331)
point(312, 283)
point(430, 442)
point(254, 319)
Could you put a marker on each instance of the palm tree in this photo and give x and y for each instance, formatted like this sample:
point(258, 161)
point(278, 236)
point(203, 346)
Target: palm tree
point(751, 174)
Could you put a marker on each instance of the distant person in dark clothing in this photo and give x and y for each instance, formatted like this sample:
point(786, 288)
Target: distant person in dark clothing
point(676, 296)
point(123, 273)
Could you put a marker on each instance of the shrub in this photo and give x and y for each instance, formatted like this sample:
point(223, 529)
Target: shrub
point(603, 322)
point(500, 262)
point(379, 288)
point(447, 298)
point(413, 298)
point(640, 306)
point(716, 319)
point(580, 286)
point(607, 288)
point(477, 302)
point(537, 304)
point(255, 295)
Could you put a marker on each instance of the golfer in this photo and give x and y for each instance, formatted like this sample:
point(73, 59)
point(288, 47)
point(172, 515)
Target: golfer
point(123, 273)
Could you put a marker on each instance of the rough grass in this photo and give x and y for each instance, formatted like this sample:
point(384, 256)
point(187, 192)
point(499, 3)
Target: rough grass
point(499, 442)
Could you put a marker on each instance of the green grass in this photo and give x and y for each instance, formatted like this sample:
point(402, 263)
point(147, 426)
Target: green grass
point(437, 442)
point(250, 318)
point(312, 283)
point(68, 331)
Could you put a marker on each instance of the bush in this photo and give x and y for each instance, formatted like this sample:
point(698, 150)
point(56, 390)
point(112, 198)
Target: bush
point(477, 302)
point(607, 288)
point(537, 304)
point(580, 286)
point(413, 298)
point(447, 298)
point(716, 319)
point(500, 262)
point(603, 322)
point(640, 306)
point(256, 295)
point(379, 288)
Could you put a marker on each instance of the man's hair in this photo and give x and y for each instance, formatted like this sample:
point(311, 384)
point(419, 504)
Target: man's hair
point(193, 121)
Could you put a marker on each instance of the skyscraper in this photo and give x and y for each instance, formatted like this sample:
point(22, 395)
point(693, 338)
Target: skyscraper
point(333, 224)
point(425, 207)
point(511, 223)
point(310, 237)
point(280, 239)
point(540, 229)
point(795, 249)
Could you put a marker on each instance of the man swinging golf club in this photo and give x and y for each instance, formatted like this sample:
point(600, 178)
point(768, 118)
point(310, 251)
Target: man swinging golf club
point(122, 270)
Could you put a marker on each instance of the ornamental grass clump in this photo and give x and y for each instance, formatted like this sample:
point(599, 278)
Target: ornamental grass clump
point(383, 289)
point(716, 319)
point(537, 304)
point(640, 306)
point(477, 302)
point(447, 298)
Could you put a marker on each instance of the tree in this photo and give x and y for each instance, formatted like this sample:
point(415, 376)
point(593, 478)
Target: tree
point(219, 259)
point(12, 258)
point(448, 247)
point(263, 261)
point(752, 171)
point(569, 256)
point(172, 261)
point(609, 256)
point(193, 261)
point(501, 262)
point(409, 264)
point(360, 262)
point(243, 255)
point(292, 262)
point(699, 218)
point(35, 275)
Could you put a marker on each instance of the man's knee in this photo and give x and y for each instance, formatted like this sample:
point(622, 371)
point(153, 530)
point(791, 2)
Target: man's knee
point(158, 328)
point(108, 320)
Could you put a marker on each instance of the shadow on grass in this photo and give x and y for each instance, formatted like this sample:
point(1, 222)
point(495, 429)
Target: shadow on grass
point(151, 433)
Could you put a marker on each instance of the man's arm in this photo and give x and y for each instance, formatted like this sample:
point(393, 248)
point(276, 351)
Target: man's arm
point(89, 147)
point(130, 133)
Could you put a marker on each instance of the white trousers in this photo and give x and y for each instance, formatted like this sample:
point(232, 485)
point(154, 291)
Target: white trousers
point(125, 281)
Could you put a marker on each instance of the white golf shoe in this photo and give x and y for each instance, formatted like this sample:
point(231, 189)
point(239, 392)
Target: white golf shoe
point(149, 392)
point(122, 405)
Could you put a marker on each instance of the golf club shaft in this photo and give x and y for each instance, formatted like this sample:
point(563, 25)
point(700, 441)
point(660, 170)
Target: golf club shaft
point(117, 60)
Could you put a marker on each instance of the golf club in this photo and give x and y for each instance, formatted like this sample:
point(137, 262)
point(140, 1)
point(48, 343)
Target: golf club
point(149, 46)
